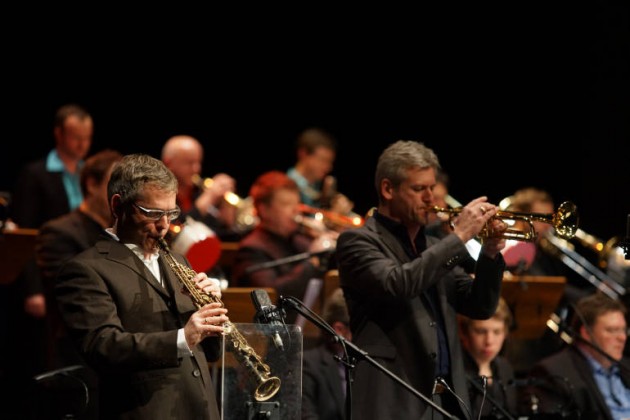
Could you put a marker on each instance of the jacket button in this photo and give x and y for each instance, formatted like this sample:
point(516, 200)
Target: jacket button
point(432, 324)
point(196, 373)
point(433, 355)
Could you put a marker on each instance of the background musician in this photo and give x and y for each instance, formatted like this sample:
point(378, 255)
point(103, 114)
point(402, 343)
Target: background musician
point(64, 237)
point(46, 188)
point(316, 151)
point(183, 155)
point(323, 375)
point(278, 235)
point(483, 341)
point(580, 381)
point(531, 259)
point(125, 307)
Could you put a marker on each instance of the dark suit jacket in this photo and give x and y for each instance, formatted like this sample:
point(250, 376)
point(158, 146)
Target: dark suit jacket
point(59, 240)
point(39, 196)
point(390, 321)
point(64, 237)
point(322, 394)
point(502, 392)
point(125, 324)
point(568, 384)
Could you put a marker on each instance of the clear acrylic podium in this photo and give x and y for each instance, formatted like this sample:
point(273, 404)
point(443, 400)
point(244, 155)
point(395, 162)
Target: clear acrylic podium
point(246, 385)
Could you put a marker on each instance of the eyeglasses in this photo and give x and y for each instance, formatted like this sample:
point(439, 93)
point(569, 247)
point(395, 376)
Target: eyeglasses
point(155, 214)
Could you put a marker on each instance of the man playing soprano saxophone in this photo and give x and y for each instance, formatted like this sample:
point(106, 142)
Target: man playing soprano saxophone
point(125, 308)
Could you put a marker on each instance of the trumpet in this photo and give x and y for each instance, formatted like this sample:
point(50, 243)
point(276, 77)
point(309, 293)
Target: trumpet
point(245, 217)
point(564, 220)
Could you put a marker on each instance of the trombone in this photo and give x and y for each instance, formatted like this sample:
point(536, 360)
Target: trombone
point(332, 218)
point(564, 220)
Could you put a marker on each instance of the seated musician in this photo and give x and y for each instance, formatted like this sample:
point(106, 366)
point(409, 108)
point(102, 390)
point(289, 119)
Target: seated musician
point(589, 379)
point(277, 236)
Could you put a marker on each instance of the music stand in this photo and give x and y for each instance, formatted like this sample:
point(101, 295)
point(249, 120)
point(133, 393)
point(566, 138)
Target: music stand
point(532, 300)
point(16, 248)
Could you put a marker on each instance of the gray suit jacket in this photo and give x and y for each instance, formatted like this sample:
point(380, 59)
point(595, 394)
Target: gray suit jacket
point(390, 321)
point(125, 324)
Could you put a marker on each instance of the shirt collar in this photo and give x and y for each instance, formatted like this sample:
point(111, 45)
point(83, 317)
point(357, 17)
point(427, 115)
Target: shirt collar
point(400, 231)
point(133, 247)
point(55, 164)
point(598, 368)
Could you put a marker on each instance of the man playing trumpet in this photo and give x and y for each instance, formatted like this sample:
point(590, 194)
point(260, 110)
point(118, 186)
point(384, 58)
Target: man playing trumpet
point(404, 289)
point(204, 202)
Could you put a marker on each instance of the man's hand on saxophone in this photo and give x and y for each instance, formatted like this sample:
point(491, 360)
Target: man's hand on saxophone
point(207, 321)
point(205, 284)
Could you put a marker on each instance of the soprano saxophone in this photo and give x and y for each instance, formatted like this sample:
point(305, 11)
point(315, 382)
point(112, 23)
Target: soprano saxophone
point(266, 385)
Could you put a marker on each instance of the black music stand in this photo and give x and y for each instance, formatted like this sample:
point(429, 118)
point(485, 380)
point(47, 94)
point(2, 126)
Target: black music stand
point(16, 248)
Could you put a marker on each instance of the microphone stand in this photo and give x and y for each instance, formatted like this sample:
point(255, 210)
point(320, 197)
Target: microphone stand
point(286, 260)
point(357, 354)
point(494, 402)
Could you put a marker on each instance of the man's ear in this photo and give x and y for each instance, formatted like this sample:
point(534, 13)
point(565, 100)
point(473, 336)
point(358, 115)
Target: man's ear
point(116, 206)
point(386, 189)
point(586, 333)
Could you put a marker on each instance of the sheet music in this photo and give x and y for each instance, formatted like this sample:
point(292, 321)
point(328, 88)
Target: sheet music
point(313, 290)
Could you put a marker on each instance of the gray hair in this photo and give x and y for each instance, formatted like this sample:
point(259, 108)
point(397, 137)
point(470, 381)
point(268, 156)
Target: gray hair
point(134, 172)
point(399, 157)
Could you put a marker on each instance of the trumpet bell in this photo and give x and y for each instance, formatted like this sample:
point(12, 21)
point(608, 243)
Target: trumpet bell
point(565, 220)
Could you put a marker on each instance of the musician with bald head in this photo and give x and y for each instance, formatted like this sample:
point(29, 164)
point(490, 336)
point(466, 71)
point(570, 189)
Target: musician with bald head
point(204, 202)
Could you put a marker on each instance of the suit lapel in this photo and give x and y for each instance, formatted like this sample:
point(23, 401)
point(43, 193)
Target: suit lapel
point(120, 254)
point(388, 239)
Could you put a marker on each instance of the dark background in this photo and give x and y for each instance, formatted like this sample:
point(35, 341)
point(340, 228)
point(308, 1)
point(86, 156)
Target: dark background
point(535, 98)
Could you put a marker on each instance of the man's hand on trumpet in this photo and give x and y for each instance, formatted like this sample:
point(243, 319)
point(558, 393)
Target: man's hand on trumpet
point(213, 194)
point(476, 217)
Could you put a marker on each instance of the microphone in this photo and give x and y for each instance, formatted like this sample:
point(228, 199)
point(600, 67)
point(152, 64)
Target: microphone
point(267, 313)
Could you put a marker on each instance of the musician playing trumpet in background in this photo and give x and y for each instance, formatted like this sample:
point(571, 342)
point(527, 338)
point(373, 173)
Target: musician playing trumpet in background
point(530, 259)
point(204, 202)
point(316, 152)
point(279, 235)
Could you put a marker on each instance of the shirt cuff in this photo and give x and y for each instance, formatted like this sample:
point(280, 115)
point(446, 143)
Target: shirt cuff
point(182, 345)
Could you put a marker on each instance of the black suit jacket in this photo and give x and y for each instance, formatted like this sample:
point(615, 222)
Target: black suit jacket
point(391, 322)
point(322, 394)
point(39, 196)
point(57, 241)
point(125, 324)
point(568, 384)
point(502, 390)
